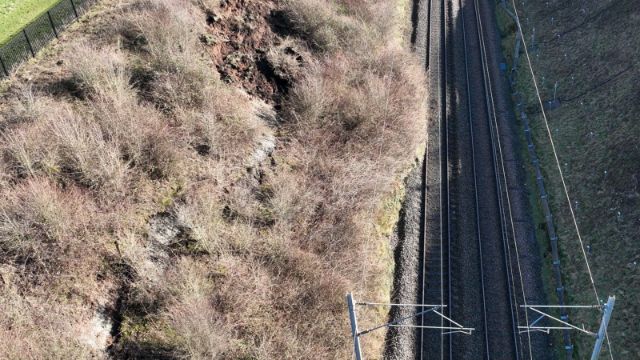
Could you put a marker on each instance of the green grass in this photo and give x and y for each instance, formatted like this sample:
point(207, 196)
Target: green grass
point(596, 140)
point(507, 30)
point(15, 14)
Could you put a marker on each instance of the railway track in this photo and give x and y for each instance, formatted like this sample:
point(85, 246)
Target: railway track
point(436, 281)
point(467, 255)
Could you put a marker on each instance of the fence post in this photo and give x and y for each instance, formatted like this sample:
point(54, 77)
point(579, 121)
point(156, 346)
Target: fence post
point(55, 32)
point(74, 8)
point(28, 43)
point(4, 68)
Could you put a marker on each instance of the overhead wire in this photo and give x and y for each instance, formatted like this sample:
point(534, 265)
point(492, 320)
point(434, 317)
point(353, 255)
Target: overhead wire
point(506, 191)
point(508, 198)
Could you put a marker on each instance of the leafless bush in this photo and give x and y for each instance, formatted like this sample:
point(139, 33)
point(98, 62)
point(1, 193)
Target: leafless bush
point(268, 245)
point(323, 27)
point(359, 117)
point(26, 107)
point(56, 335)
point(171, 36)
point(362, 104)
point(178, 74)
point(225, 125)
point(83, 150)
point(138, 130)
point(5, 174)
point(43, 229)
point(203, 331)
point(287, 59)
point(102, 71)
point(356, 124)
point(64, 142)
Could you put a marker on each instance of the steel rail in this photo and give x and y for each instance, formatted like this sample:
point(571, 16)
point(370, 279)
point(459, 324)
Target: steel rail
point(445, 264)
point(499, 190)
point(444, 98)
point(441, 68)
point(491, 112)
point(475, 181)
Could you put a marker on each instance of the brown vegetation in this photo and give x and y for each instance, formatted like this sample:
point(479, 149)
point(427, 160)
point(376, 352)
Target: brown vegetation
point(151, 208)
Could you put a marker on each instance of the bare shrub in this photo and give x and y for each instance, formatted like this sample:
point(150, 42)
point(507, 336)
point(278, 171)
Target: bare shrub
point(23, 154)
point(26, 107)
point(269, 244)
point(139, 131)
point(287, 60)
point(359, 117)
point(238, 290)
point(226, 125)
point(5, 174)
point(142, 134)
point(83, 150)
point(102, 71)
point(355, 123)
point(323, 27)
point(383, 18)
point(63, 142)
point(177, 72)
point(362, 104)
point(171, 35)
point(45, 229)
point(202, 212)
point(221, 223)
point(55, 322)
point(203, 333)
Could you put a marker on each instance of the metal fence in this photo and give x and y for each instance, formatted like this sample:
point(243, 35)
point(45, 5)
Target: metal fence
point(39, 32)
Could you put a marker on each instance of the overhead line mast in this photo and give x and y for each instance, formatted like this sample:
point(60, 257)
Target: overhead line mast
point(452, 327)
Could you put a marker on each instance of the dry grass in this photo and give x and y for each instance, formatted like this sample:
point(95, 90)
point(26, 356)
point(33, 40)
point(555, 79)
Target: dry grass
point(40, 327)
point(150, 195)
point(63, 141)
point(321, 25)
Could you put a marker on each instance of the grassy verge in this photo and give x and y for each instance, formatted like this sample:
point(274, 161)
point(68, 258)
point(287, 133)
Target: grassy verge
point(159, 205)
point(508, 43)
point(594, 131)
point(15, 14)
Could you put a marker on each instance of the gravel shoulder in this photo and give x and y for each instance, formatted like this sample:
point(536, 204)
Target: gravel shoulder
point(401, 343)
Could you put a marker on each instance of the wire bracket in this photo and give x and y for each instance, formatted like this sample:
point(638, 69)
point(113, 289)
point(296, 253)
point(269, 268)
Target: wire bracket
point(452, 326)
point(563, 323)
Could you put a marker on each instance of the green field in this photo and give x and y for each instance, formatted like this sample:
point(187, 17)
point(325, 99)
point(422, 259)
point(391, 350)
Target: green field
point(15, 14)
point(589, 51)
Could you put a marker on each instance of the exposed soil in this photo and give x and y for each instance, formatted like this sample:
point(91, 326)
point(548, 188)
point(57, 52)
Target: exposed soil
point(243, 46)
